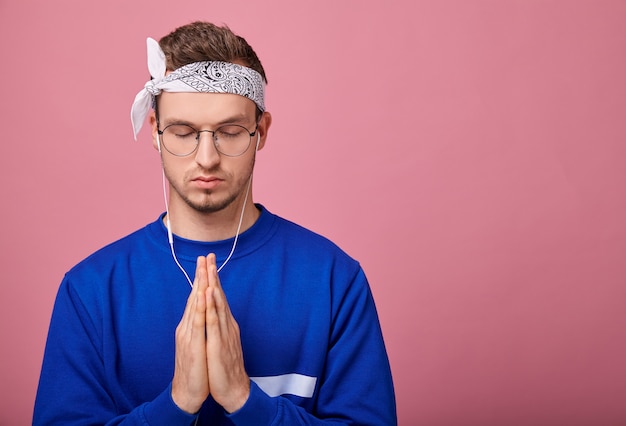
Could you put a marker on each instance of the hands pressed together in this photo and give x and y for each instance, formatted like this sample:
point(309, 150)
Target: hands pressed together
point(209, 359)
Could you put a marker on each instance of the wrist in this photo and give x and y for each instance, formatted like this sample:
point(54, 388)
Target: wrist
point(238, 399)
point(185, 403)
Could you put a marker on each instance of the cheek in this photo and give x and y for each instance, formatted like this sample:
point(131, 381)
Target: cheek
point(174, 167)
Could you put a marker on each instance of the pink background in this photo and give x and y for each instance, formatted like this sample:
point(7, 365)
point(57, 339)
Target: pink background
point(471, 154)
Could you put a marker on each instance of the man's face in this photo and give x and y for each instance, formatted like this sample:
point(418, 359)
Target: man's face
point(206, 180)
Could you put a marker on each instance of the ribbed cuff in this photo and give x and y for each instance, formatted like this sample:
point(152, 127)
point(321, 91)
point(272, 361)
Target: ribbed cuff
point(259, 409)
point(162, 411)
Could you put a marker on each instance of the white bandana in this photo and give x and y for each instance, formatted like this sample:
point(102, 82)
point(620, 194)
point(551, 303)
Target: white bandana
point(208, 77)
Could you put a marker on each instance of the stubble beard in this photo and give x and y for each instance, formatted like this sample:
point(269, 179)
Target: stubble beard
point(210, 204)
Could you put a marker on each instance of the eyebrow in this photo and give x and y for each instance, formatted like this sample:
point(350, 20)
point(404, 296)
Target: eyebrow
point(236, 119)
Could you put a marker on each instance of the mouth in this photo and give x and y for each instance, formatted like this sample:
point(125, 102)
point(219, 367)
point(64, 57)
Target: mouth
point(206, 182)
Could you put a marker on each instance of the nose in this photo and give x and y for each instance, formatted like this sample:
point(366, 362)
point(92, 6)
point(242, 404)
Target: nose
point(206, 154)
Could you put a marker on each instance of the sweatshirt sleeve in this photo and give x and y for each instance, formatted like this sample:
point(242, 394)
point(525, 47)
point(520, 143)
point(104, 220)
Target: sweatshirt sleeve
point(356, 387)
point(73, 385)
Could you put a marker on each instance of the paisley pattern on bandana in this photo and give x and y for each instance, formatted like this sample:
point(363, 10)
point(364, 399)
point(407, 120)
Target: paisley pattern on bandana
point(223, 77)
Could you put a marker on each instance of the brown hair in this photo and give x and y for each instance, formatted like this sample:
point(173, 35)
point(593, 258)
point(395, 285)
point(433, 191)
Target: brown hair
point(203, 41)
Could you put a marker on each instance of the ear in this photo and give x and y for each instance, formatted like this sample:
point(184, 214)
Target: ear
point(154, 128)
point(264, 125)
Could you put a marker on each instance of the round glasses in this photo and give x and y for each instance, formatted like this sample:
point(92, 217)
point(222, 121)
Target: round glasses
point(231, 140)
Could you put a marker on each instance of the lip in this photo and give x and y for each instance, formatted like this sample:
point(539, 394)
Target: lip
point(206, 182)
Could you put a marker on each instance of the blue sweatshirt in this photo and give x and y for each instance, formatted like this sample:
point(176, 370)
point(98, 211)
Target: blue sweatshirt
point(310, 334)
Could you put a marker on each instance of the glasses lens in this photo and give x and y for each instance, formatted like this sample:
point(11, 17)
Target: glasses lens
point(180, 139)
point(232, 140)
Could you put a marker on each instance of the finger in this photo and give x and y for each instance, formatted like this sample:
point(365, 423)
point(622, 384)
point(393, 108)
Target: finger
point(214, 277)
point(200, 286)
point(184, 326)
point(196, 280)
point(215, 283)
point(211, 262)
point(220, 302)
point(211, 318)
point(201, 279)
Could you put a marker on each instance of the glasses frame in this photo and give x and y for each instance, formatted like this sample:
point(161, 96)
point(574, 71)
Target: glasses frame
point(213, 138)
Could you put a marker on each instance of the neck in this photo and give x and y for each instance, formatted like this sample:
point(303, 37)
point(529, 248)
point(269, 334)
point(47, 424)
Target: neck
point(189, 223)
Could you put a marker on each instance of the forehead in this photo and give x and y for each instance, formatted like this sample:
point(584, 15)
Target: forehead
point(205, 108)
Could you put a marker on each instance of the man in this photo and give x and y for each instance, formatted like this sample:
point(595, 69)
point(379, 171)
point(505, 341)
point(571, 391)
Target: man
point(286, 334)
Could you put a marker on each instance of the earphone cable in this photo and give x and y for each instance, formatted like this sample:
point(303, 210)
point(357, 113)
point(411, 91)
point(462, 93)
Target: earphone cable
point(171, 237)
